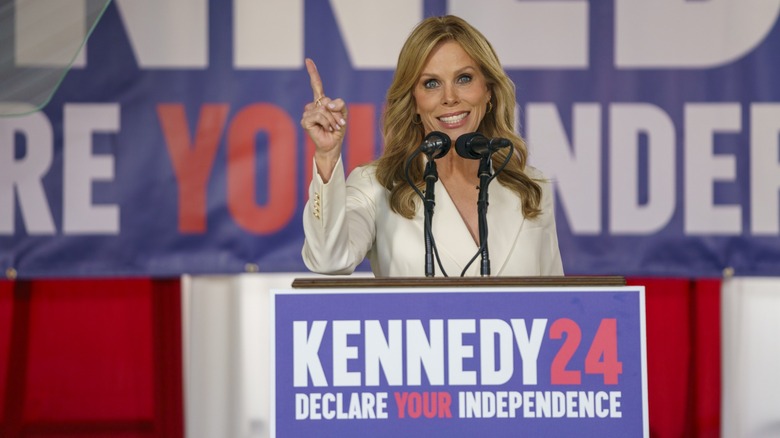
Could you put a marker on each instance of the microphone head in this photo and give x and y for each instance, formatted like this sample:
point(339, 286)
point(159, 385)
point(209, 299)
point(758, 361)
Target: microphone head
point(499, 143)
point(436, 145)
point(465, 145)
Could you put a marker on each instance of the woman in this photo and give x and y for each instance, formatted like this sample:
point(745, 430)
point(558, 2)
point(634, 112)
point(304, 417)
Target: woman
point(448, 79)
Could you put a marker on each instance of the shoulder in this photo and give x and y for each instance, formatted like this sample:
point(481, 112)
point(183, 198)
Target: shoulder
point(538, 177)
point(363, 179)
point(547, 202)
point(361, 175)
point(534, 173)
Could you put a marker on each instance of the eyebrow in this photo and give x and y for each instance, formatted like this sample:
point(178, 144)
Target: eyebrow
point(457, 72)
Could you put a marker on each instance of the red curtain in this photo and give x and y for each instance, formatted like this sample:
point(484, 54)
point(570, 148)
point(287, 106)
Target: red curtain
point(98, 358)
point(103, 358)
point(683, 356)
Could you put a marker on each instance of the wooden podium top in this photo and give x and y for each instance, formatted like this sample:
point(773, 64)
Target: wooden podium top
point(367, 282)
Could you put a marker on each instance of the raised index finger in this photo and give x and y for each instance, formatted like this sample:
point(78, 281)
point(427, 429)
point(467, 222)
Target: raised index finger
point(314, 77)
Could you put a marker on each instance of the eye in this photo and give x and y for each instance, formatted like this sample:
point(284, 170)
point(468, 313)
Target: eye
point(464, 79)
point(430, 83)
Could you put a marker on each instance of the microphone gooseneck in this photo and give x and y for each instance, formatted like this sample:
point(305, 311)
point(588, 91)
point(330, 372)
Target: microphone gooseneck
point(435, 145)
point(475, 146)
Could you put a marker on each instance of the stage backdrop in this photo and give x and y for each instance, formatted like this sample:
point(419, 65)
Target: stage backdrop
point(174, 144)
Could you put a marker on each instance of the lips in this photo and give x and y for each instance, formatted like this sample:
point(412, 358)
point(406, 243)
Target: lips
point(453, 119)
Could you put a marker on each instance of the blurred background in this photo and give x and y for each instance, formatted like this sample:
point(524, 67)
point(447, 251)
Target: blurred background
point(153, 174)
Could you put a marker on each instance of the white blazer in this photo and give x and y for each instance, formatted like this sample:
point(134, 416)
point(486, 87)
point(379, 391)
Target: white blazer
point(347, 221)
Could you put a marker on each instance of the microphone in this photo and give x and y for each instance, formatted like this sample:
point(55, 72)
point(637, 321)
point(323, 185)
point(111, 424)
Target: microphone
point(436, 145)
point(475, 145)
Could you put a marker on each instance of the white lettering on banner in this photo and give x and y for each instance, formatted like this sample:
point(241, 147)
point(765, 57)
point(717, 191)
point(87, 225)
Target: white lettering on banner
point(384, 352)
point(425, 351)
point(539, 404)
point(457, 351)
point(329, 406)
point(470, 404)
point(36, 21)
point(389, 356)
point(684, 33)
point(529, 346)
point(374, 30)
point(256, 24)
point(343, 352)
point(81, 168)
point(532, 34)
point(579, 186)
point(626, 214)
point(25, 174)
point(167, 33)
point(493, 373)
point(703, 167)
point(306, 356)
point(575, 166)
point(270, 34)
point(765, 168)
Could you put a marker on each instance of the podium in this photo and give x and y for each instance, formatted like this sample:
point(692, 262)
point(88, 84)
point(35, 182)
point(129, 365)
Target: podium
point(457, 282)
point(477, 356)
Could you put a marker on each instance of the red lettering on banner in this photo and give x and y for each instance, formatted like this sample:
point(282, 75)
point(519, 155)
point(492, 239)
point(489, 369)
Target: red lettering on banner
point(400, 400)
point(424, 404)
point(558, 373)
point(361, 135)
point(602, 356)
point(241, 156)
point(192, 162)
point(444, 401)
point(414, 404)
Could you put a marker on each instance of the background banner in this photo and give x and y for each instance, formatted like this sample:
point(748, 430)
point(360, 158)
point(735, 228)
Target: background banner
point(174, 146)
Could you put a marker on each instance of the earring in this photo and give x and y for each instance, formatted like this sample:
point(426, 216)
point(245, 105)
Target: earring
point(490, 106)
point(416, 119)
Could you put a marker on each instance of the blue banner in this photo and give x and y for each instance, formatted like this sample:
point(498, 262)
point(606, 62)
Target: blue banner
point(499, 363)
point(173, 145)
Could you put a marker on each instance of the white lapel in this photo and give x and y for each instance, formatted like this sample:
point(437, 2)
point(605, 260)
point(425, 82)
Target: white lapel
point(505, 221)
point(453, 238)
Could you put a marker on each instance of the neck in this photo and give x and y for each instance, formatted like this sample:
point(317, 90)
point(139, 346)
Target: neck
point(455, 166)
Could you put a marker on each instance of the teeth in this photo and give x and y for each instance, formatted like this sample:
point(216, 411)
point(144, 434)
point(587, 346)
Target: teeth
point(453, 119)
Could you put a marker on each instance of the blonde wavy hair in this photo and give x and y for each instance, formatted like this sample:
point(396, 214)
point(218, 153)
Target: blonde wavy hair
point(402, 136)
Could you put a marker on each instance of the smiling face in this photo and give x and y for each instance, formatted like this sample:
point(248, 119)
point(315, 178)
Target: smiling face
point(451, 94)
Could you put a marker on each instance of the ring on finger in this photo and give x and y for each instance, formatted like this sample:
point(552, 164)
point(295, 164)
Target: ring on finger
point(317, 102)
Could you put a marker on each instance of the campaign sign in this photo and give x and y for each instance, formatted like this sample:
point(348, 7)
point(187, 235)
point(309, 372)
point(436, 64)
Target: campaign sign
point(497, 362)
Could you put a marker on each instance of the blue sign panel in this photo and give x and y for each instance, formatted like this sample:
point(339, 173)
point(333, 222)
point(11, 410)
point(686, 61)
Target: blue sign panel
point(499, 363)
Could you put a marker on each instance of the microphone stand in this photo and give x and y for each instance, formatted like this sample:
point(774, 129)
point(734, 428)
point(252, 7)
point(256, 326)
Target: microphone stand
point(485, 174)
point(431, 176)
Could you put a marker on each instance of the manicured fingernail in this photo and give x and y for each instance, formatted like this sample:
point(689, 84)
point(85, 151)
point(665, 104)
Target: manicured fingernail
point(331, 105)
point(343, 122)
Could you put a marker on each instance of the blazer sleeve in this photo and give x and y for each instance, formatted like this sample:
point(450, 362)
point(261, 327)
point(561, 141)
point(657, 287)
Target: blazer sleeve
point(338, 221)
